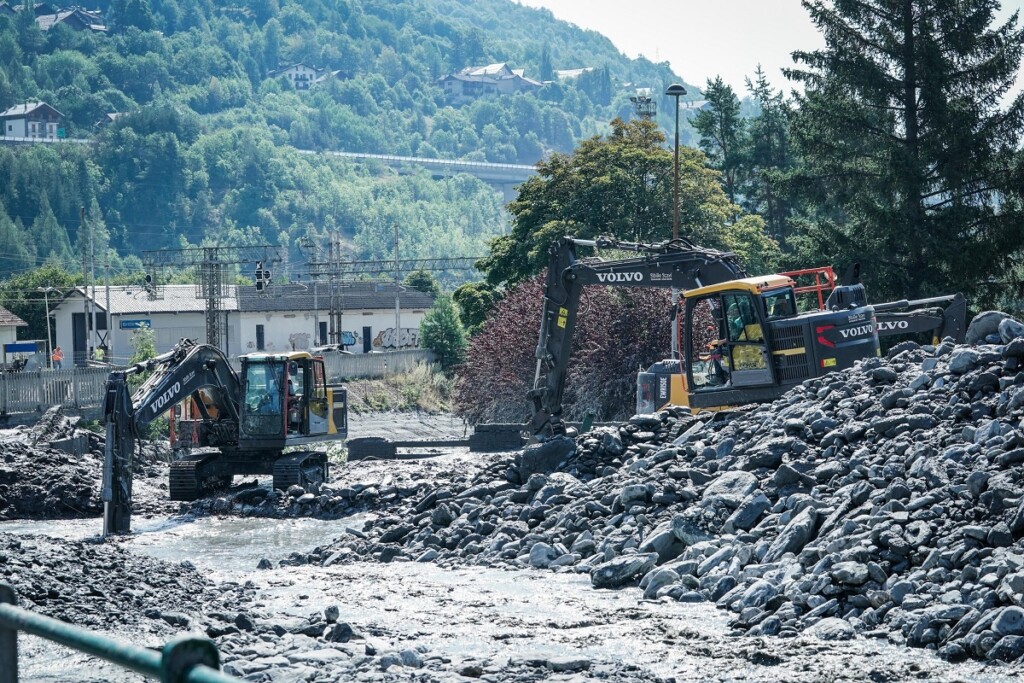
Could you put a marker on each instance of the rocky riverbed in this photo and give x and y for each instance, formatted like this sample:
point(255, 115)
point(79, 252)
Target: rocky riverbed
point(868, 525)
point(883, 503)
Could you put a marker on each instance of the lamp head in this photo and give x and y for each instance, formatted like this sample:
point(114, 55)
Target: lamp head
point(675, 90)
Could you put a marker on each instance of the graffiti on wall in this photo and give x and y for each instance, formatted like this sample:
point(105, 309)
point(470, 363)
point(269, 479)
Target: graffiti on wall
point(408, 339)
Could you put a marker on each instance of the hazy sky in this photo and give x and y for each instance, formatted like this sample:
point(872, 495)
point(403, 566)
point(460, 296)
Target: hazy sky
point(706, 38)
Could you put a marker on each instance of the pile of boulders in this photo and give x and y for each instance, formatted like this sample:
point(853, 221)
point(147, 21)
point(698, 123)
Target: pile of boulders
point(54, 469)
point(885, 501)
point(101, 585)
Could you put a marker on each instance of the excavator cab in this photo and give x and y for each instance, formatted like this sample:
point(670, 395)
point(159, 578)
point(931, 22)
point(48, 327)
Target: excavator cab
point(286, 401)
point(727, 347)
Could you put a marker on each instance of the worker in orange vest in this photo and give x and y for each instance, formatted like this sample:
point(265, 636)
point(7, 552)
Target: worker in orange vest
point(57, 357)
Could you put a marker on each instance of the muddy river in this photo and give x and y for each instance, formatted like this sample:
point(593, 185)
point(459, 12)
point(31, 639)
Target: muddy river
point(486, 615)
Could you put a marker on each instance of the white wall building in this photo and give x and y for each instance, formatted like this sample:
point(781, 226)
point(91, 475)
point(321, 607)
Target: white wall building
point(282, 318)
point(30, 120)
point(9, 324)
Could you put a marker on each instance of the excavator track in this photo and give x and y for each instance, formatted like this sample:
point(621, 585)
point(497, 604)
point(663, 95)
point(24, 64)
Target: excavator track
point(188, 481)
point(307, 469)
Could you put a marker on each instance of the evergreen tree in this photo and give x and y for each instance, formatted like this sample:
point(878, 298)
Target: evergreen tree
point(908, 149)
point(16, 252)
point(51, 237)
point(722, 134)
point(768, 158)
point(423, 281)
point(547, 72)
point(441, 331)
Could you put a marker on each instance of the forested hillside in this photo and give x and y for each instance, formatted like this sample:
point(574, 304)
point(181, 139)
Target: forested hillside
point(204, 144)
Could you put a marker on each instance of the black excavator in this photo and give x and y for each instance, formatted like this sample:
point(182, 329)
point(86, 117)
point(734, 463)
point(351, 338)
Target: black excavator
point(241, 422)
point(737, 339)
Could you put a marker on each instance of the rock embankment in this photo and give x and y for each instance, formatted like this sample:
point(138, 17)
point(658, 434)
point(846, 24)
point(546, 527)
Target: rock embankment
point(54, 470)
point(882, 502)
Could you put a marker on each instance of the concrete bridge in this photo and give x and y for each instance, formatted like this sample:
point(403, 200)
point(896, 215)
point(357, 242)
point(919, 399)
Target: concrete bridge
point(503, 176)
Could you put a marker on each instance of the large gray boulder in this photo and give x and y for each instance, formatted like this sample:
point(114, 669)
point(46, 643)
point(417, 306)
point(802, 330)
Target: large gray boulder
point(621, 570)
point(795, 536)
point(984, 324)
point(730, 489)
point(545, 457)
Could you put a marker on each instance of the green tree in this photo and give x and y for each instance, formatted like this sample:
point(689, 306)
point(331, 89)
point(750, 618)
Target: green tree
point(423, 281)
point(547, 72)
point(51, 236)
point(475, 300)
point(722, 133)
point(18, 251)
point(441, 331)
point(22, 295)
point(768, 158)
point(907, 147)
point(621, 186)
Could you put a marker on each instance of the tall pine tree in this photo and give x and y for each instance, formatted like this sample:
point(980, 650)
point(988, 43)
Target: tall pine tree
point(768, 158)
point(722, 133)
point(907, 144)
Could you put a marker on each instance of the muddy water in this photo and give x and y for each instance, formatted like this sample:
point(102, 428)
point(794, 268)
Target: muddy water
point(477, 613)
point(490, 614)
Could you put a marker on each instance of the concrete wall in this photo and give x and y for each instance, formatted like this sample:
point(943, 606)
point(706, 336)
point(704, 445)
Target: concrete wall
point(295, 331)
point(8, 333)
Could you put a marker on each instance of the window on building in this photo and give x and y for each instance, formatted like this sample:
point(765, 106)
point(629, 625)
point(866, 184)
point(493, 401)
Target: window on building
point(260, 338)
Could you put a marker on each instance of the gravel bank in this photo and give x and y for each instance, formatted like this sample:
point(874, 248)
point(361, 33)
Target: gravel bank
point(882, 503)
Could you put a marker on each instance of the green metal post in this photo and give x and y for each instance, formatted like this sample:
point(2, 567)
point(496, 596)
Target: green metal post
point(187, 660)
point(8, 640)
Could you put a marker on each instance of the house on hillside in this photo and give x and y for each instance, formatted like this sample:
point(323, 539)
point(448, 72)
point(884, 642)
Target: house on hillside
point(302, 76)
point(31, 120)
point(493, 79)
point(75, 18)
point(286, 317)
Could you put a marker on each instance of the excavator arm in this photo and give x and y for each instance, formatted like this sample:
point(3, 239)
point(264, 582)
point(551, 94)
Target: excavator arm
point(901, 317)
point(178, 374)
point(677, 263)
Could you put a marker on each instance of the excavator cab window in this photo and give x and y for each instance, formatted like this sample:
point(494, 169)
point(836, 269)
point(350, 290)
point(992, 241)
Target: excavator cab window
point(779, 303)
point(264, 398)
point(727, 342)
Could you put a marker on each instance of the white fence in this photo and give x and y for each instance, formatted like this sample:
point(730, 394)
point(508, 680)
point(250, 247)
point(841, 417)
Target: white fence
point(36, 390)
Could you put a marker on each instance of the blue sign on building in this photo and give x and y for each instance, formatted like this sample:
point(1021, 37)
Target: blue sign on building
point(136, 324)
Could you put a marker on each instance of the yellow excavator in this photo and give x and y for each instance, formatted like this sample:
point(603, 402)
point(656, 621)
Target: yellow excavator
point(241, 423)
point(737, 339)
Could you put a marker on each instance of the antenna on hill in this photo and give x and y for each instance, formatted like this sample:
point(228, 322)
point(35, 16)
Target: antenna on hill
point(643, 105)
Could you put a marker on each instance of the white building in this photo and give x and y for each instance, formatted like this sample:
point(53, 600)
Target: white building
point(283, 318)
point(31, 120)
point(9, 324)
point(297, 317)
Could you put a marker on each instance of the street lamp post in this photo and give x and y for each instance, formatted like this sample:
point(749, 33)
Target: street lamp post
point(675, 90)
point(49, 338)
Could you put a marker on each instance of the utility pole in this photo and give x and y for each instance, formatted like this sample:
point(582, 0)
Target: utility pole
point(398, 310)
point(110, 324)
point(92, 279)
point(83, 236)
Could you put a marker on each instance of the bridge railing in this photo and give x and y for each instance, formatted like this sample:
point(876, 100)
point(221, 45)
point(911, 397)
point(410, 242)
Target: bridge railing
point(185, 660)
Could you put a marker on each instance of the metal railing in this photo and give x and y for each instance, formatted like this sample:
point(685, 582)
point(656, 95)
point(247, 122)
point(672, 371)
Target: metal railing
point(185, 660)
point(342, 366)
point(36, 390)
